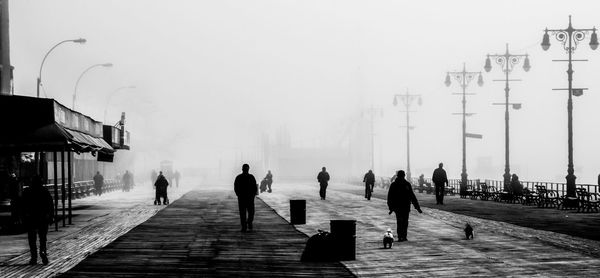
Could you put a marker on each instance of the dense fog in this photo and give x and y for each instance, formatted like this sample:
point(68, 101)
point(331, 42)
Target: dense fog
point(292, 86)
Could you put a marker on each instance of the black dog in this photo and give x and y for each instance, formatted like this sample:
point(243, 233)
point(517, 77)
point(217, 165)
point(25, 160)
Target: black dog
point(468, 231)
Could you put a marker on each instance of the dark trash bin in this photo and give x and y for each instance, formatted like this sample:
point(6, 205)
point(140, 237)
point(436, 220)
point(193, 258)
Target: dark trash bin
point(297, 212)
point(344, 239)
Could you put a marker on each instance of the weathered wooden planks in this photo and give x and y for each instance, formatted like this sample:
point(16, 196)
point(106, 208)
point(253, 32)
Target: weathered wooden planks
point(199, 236)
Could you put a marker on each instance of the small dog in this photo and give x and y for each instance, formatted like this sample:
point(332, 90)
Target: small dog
point(468, 231)
point(388, 239)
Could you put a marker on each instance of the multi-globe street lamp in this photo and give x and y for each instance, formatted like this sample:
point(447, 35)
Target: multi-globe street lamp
point(106, 65)
point(39, 79)
point(507, 62)
point(464, 78)
point(570, 38)
point(407, 100)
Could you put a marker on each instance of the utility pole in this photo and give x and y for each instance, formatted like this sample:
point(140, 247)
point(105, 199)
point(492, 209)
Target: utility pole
point(464, 77)
point(407, 100)
point(372, 113)
point(6, 71)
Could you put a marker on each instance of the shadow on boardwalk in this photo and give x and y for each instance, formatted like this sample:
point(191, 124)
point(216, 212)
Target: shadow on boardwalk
point(199, 236)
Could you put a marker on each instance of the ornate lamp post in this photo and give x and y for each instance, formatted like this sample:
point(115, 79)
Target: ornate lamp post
point(570, 38)
point(464, 78)
point(39, 79)
point(507, 61)
point(407, 100)
point(106, 65)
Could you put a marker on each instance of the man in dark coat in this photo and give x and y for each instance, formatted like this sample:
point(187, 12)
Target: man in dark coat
point(440, 179)
point(38, 212)
point(400, 196)
point(246, 189)
point(161, 185)
point(98, 183)
point(369, 181)
point(323, 179)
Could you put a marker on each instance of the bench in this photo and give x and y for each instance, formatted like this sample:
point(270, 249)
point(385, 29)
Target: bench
point(588, 201)
point(547, 197)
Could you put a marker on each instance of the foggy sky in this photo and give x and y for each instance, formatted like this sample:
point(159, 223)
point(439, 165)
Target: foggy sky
point(211, 76)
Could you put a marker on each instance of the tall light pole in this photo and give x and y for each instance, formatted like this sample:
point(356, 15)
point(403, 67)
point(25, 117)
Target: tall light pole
point(106, 65)
point(570, 38)
point(372, 112)
point(407, 100)
point(507, 61)
point(39, 79)
point(110, 96)
point(464, 77)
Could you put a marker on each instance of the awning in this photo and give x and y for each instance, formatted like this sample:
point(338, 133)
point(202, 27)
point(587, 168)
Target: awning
point(30, 124)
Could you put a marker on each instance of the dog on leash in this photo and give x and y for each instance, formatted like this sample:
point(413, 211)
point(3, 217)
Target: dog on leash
point(388, 239)
point(468, 231)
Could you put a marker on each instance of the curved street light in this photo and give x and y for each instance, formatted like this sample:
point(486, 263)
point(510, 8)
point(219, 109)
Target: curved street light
point(110, 96)
point(106, 65)
point(39, 79)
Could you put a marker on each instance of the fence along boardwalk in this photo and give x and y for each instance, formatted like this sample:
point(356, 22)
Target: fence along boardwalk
point(199, 235)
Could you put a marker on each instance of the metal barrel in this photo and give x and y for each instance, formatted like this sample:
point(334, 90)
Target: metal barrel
point(344, 237)
point(297, 212)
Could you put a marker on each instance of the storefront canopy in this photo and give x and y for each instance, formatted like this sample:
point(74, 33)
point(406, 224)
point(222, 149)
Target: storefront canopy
point(37, 124)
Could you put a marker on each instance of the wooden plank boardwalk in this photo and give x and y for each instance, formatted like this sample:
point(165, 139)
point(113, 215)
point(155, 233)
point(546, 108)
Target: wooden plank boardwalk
point(199, 236)
point(436, 246)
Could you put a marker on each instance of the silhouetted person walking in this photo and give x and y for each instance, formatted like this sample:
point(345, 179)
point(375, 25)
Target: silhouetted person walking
point(323, 179)
point(246, 189)
point(369, 181)
point(400, 196)
point(161, 185)
point(38, 212)
point(98, 183)
point(440, 180)
point(269, 178)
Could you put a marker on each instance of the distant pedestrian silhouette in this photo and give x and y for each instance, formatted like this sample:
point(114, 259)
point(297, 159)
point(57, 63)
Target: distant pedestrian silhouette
point(440, 180)
point(246, 189)
point(400, 196)
point(98, 183)
point(161, 185)
point(323, 179)
point(38, 209)
point(127, 181)
point(269, 179)
point(369, 181)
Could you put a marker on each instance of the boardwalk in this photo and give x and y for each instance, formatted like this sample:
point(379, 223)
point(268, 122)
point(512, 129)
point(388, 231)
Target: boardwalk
point(198, 236)
point(98, 221)
point(436, 247)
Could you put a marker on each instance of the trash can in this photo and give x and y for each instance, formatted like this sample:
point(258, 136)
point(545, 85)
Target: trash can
point(297, 212)
point(344, 239)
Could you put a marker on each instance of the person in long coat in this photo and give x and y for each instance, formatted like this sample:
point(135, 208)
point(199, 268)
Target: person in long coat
point(323, 179)
point(161, 185)
point(400, 197)
point(440, 180)
point(38, 209)
point(246, 189)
